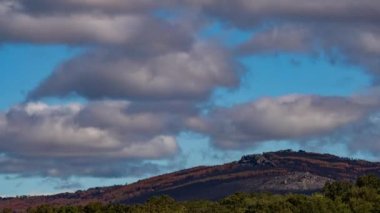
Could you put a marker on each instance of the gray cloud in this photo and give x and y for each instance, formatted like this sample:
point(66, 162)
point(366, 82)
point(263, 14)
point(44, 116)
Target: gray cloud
point(291, 117)
point(359, 137)
point(62, 184)
point(363, 135)
point(358, 46)
point(76, 6)
point(159, 64)
point(165, 69)
point(136, 55)
point(63, 168)
point(133, 32)
point(249, 13)
point(79, 139)
point(244, 13)
point(280, 39)
point(346, 30)
point(181, 75)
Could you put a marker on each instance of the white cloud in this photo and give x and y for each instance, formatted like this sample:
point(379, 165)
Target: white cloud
point(181, 75)
point(291, 117)
point(59, 134)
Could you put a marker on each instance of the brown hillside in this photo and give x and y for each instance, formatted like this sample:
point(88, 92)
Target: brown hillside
point(278, 172)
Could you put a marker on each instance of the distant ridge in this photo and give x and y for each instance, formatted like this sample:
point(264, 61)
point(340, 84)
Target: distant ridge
point(278, 172)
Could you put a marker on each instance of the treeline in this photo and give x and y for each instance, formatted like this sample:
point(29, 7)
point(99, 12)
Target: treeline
point(340, 197)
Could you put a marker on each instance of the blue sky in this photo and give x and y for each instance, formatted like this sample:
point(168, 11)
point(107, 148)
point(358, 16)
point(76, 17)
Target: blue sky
point(23, 66)
point(103, 101)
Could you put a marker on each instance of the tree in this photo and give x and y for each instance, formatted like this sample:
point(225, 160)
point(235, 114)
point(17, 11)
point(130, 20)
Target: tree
point(370, 181)
point(163, 204)
point(95, 207)
point(7, 210)
point(337, 190)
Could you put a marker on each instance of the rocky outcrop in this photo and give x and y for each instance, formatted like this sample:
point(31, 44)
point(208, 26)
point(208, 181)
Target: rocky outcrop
point(256, 160)
point(295, 181)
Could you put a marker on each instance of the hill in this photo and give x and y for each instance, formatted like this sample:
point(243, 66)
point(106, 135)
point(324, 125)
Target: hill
point(278, 172)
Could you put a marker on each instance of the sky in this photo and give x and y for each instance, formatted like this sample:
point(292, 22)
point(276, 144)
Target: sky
point(98, 93)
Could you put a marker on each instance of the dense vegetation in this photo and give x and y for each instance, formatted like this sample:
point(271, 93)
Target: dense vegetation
point(362, 196)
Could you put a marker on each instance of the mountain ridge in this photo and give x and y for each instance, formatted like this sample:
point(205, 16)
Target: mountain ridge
point(278, 172)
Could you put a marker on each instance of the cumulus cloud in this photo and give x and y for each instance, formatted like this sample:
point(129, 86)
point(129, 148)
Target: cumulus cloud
point(359, 137)
point(358, 46)
point(249, 13)
point(178, 75)
point(345, 29)
point(363, 136)
point(286, 118)
point(130, 31)
point(63, 168)
point(135, 54)
point(72, 6)
point(131, 53)
point(164, 69)
point(85, 136)
point(280, 39)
